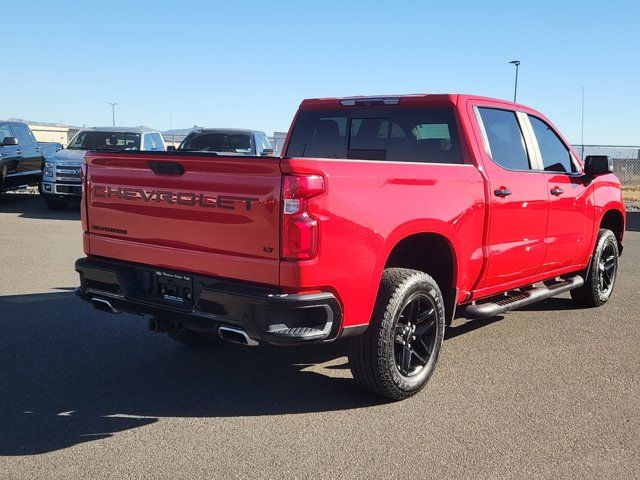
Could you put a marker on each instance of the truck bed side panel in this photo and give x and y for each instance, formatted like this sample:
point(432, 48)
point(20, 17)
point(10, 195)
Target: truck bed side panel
point(369, 206)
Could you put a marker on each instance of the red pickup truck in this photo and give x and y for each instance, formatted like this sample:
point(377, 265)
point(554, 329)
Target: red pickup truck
point(385, 218)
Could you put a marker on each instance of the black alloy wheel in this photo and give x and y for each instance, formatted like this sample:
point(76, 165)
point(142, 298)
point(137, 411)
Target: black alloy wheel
point(607, 268)
point(415, 335)
point(600, 278)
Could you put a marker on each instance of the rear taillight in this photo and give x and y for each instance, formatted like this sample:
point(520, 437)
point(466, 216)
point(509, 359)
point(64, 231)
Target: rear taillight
point(299, 229)
point(85, 201)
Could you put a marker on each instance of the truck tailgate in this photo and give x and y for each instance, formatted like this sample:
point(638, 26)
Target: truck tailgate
point(214, 215)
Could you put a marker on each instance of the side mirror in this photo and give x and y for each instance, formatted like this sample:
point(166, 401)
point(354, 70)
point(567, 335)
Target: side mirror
point(598, 165)
point(10, 141)
point(171, 148)
point(267, 152)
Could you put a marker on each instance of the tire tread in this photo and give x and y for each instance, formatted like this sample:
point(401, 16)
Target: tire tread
point(366, 352)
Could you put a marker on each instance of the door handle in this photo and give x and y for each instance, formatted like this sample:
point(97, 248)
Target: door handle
point(502, 192)
point(18, 151)
point(557, 191)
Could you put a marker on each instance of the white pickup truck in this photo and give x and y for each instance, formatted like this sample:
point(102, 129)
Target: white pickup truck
point(61, 181)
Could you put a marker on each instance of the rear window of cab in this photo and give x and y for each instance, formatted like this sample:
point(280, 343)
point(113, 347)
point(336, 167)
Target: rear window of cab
point(428, 135)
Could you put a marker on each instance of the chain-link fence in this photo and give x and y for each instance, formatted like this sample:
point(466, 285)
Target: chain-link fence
point(626, 165)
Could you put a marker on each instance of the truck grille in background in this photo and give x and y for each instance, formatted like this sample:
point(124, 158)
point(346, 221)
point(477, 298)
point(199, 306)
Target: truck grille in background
point(67, 174)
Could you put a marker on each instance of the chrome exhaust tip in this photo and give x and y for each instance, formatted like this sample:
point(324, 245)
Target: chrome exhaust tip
point(236, 335)
point(103, 305)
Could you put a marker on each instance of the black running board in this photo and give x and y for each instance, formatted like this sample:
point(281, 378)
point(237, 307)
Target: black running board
point(519, 299)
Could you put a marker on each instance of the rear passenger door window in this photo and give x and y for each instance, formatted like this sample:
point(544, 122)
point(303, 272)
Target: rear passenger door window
point(555, 155)
point(505, 138)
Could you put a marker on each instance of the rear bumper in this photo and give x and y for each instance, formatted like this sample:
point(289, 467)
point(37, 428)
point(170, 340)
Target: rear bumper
point(264, 313)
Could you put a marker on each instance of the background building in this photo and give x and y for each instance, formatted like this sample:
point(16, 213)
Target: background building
point(60, 133)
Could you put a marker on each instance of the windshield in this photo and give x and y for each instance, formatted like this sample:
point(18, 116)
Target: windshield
point(92, 140)
point(218, 142)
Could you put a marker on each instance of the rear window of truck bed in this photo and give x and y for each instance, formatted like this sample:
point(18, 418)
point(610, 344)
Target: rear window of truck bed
point(428, 135)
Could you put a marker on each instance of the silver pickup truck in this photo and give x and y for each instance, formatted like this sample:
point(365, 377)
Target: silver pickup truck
point(61, 181)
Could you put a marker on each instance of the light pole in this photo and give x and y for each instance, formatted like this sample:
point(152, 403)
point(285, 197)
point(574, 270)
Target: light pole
point(515, 90)
point(582, 126)
point(113, 113)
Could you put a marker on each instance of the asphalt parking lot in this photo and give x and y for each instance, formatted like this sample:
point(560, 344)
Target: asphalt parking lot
point(546, 392)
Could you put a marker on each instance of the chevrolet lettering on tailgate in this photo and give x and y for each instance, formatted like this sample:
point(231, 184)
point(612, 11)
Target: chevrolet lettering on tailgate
point(228, 202)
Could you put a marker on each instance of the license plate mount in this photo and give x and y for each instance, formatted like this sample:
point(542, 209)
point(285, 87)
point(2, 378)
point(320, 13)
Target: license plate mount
point(174, 287)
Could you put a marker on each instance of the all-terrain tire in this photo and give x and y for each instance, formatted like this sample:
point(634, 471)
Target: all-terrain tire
point(605, 261)
point(373, 355)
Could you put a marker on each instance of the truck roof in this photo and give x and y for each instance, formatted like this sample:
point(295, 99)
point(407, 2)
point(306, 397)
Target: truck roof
point(228, 131)
point(12, 122)
point(120, 129)
point(415, 99)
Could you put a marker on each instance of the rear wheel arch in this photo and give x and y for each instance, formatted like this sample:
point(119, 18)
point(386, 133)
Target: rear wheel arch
point(434, 254)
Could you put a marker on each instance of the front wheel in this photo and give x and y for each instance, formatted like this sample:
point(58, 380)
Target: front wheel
point(601, 277)
point(397, 354)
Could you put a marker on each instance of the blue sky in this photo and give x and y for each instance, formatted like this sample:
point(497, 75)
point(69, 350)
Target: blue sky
point(249, 64)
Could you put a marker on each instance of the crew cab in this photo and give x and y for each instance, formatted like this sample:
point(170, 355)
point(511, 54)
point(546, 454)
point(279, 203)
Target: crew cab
point(61, 182)
point(227, 141)
point(21, 156)
point(385, 218)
